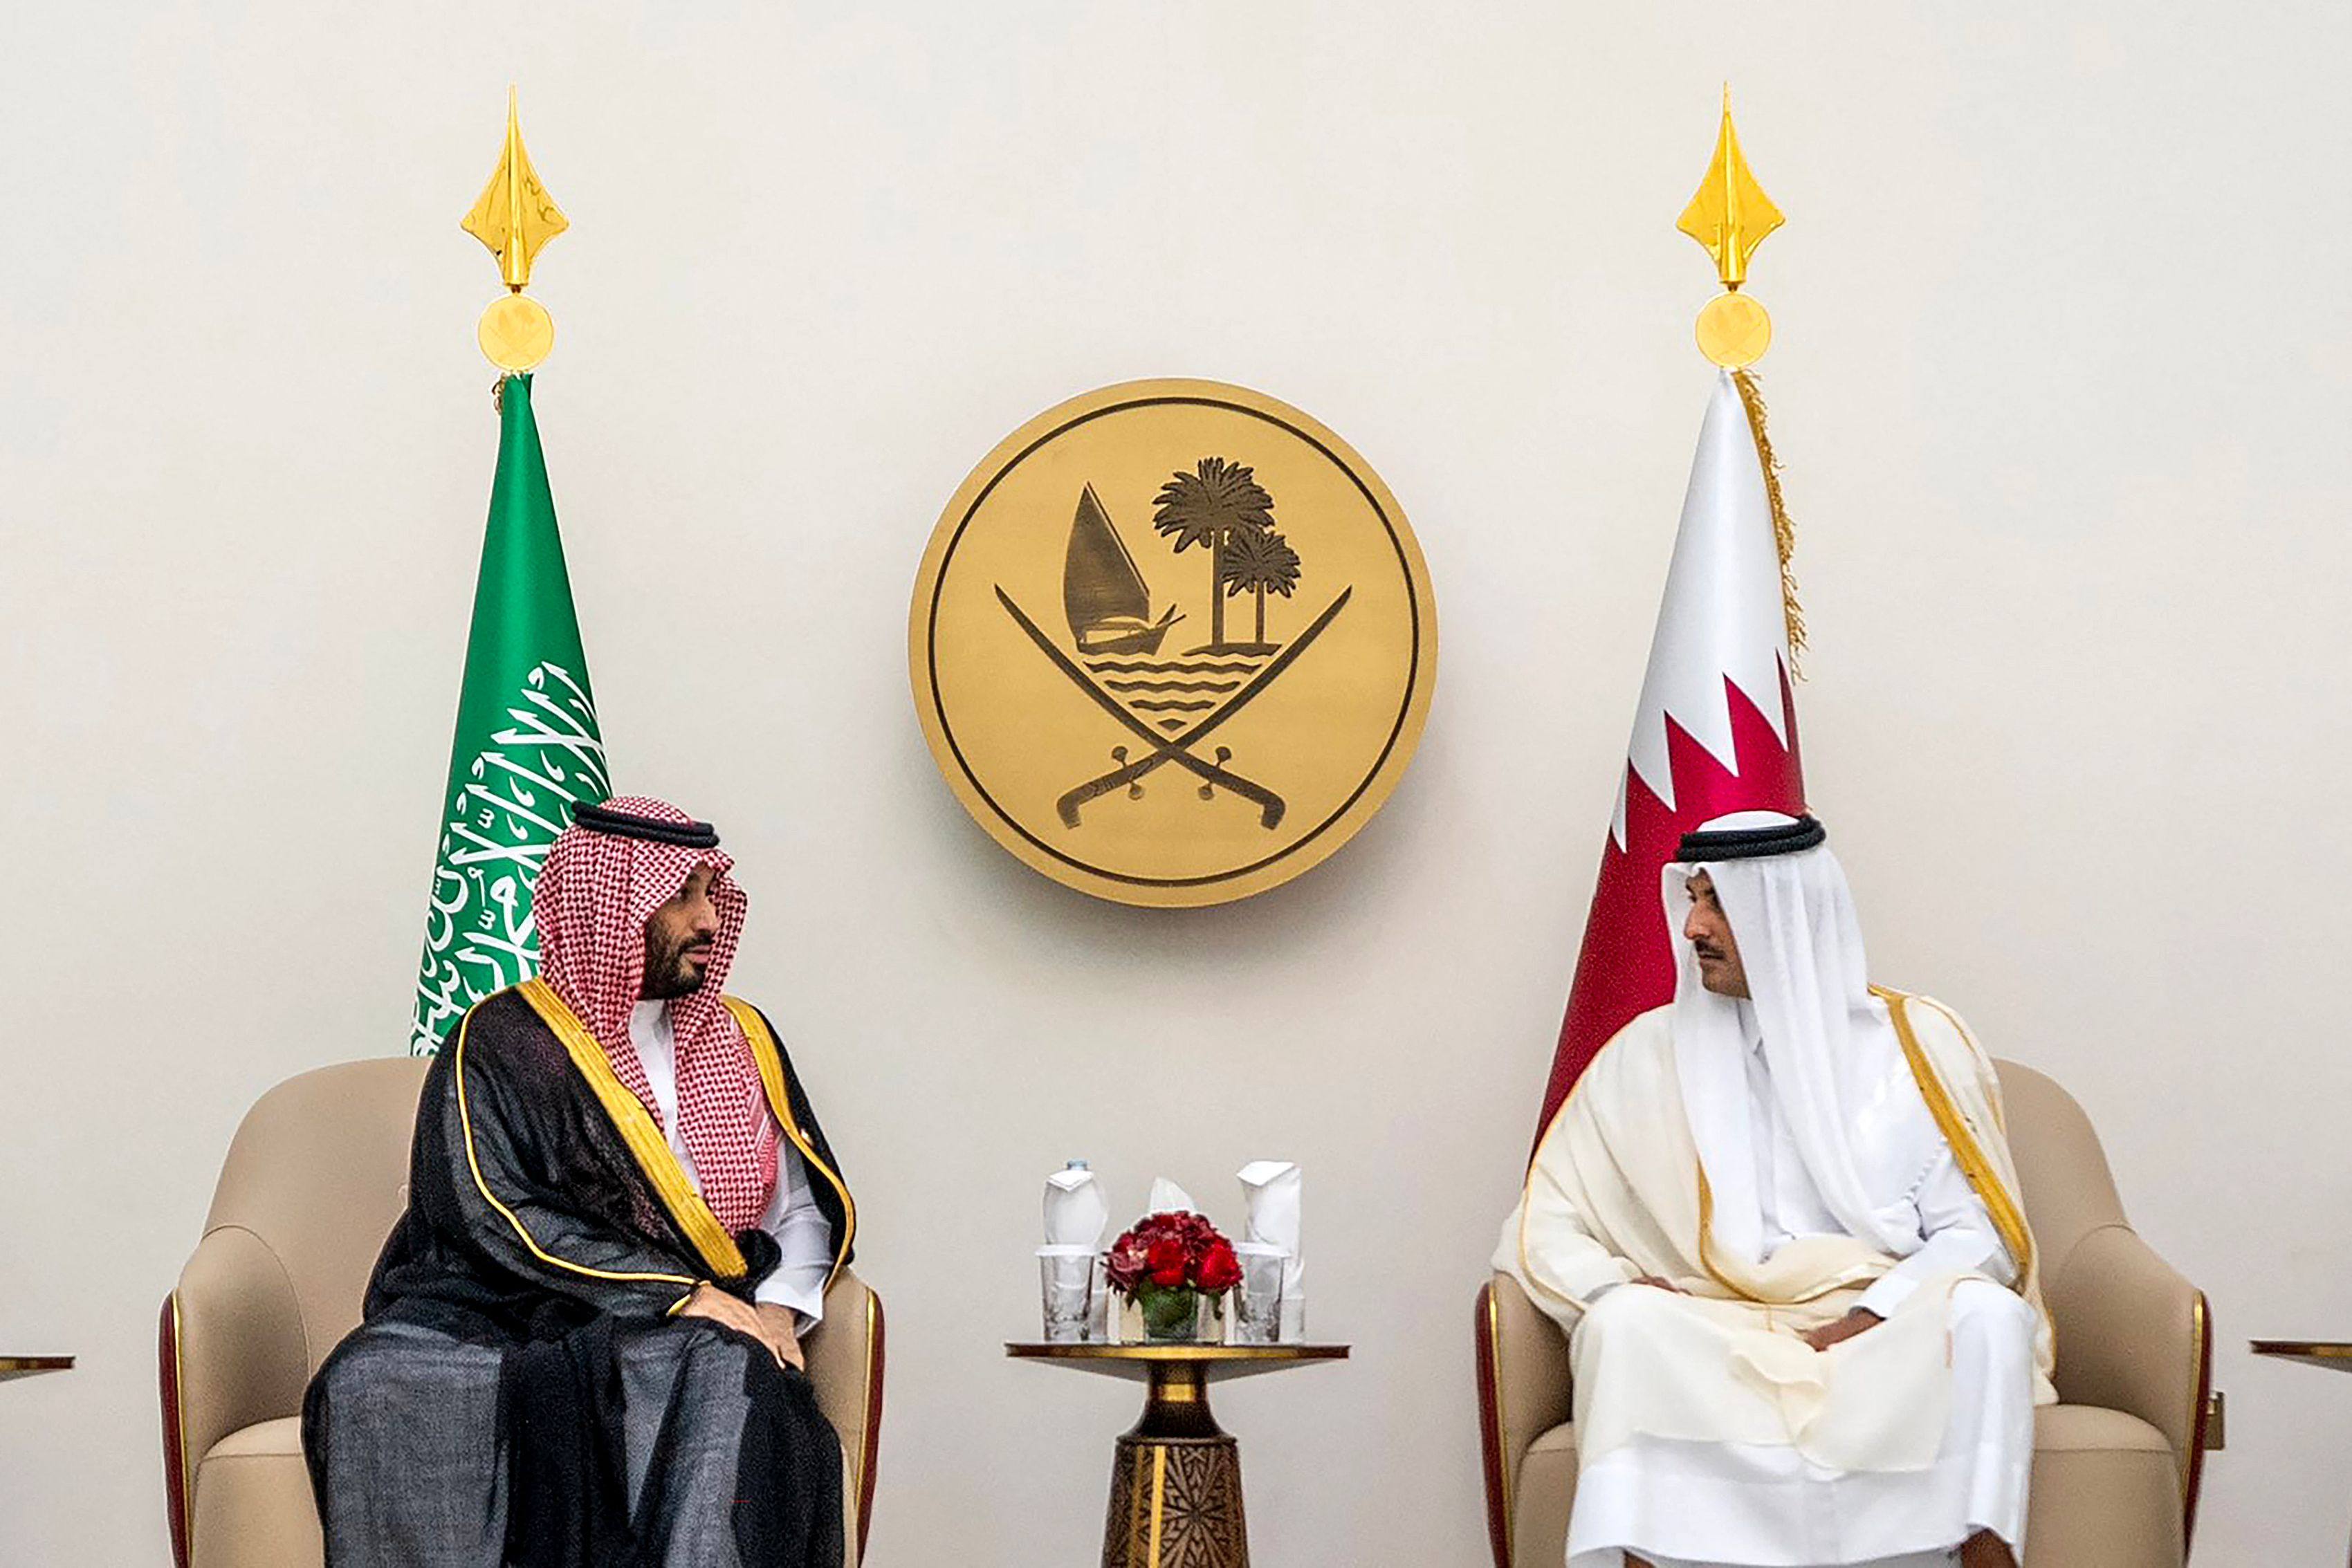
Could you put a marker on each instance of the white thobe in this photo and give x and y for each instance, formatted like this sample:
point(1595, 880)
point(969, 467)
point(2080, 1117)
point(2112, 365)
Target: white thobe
point(1755, 1506)
point(802, 1231)
point(1957, 1235)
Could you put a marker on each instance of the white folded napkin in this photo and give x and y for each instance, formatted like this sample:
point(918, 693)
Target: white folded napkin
point(1075, 1214)
point(1274, 1192)
point(1167, 1197)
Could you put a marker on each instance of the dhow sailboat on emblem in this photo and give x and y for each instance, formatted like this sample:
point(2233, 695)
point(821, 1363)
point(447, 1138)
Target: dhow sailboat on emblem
point(1103, 594)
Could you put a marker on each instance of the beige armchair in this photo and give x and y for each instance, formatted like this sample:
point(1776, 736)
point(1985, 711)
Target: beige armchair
point(315, 1176)
point(2116, 1462)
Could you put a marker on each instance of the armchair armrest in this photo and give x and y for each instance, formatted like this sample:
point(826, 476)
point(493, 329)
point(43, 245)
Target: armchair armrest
point(2135, 1336)
point(244, 1356)
point(232, 1352)
point(1523, 1392)
point(844, 1354)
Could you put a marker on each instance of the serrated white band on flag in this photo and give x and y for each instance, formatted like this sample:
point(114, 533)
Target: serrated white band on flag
point(1721, 617)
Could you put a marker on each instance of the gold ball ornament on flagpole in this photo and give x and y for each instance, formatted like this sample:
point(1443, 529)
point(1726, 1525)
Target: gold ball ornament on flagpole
point(1729, 218)
point(515, 217)
point(1734, 330)
point(516, 333)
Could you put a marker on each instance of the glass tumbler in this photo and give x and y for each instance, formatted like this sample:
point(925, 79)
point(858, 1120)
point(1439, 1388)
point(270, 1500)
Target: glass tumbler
point(1066, 1278)
point(1257, 1302)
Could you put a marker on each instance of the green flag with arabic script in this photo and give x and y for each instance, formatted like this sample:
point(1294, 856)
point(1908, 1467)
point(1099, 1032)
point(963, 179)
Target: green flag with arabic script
point(527, 750)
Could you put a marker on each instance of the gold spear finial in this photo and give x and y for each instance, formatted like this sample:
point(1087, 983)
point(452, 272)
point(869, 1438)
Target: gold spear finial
point(515, 217)
point(1729, 218)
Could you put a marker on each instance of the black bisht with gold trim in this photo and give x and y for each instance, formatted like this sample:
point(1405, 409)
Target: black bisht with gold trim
point(519, 1371)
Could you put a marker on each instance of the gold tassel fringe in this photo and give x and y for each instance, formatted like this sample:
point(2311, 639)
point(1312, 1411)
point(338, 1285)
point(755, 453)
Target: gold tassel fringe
point(1784, 532)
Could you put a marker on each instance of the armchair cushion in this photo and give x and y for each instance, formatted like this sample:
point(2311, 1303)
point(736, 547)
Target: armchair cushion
point(252, 1499)
point(2106, 1491)
point(1546, 1492)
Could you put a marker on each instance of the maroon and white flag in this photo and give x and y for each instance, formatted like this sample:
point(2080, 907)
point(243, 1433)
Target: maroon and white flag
point(1715, 732)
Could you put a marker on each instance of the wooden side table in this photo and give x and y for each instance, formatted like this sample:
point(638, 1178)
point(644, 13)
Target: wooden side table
point(2310, 1352)
point(28, 1366)
point(1176, 1479)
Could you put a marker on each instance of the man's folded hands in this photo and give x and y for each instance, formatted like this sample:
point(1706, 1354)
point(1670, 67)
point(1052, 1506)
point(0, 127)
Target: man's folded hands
point(770, 1325)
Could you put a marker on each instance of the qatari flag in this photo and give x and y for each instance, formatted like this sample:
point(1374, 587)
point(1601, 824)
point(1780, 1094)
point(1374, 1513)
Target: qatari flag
point(1715, 732)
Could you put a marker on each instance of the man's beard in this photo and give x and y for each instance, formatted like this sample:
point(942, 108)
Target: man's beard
point(1719, 976)
point(669, 970)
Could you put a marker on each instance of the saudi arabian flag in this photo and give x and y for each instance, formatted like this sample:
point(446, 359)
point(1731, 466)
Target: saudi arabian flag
point(526, 750)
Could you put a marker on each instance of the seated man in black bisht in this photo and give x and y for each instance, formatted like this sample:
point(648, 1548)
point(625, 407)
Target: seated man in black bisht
point(582, 1342)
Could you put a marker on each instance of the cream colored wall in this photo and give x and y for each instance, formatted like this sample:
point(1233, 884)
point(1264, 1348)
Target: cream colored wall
point(2060, 385)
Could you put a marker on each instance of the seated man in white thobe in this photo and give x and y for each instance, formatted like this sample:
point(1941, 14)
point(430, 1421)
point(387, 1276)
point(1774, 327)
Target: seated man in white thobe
point(1779, 1221)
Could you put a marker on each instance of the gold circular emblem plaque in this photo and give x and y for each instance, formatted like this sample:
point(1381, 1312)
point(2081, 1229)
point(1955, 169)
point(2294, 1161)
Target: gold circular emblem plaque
point(1172, 642)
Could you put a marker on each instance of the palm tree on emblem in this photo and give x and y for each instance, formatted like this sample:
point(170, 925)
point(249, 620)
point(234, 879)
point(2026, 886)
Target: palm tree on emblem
point(1256, 561)
point(1210, 506)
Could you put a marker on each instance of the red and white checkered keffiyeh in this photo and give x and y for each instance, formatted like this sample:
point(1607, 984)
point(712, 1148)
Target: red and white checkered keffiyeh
point(594, 895)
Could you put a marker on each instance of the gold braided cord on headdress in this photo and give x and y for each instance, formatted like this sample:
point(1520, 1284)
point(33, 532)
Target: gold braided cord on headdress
point(1784, 531)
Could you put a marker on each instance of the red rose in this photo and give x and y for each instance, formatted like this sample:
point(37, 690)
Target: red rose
point(1220, 1269)
point(1127, 1262)
point(1167, 1262)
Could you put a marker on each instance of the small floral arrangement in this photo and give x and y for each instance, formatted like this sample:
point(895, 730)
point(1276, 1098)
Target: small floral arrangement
point(1165, 1263)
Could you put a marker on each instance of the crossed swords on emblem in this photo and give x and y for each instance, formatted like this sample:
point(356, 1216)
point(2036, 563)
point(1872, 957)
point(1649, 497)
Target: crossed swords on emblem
point(1177, 748)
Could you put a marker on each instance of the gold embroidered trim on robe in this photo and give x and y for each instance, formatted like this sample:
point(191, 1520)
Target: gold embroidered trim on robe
point(635, 1125)
point(466, 1122)
point(2008, 1214)
point(1706, 1234)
